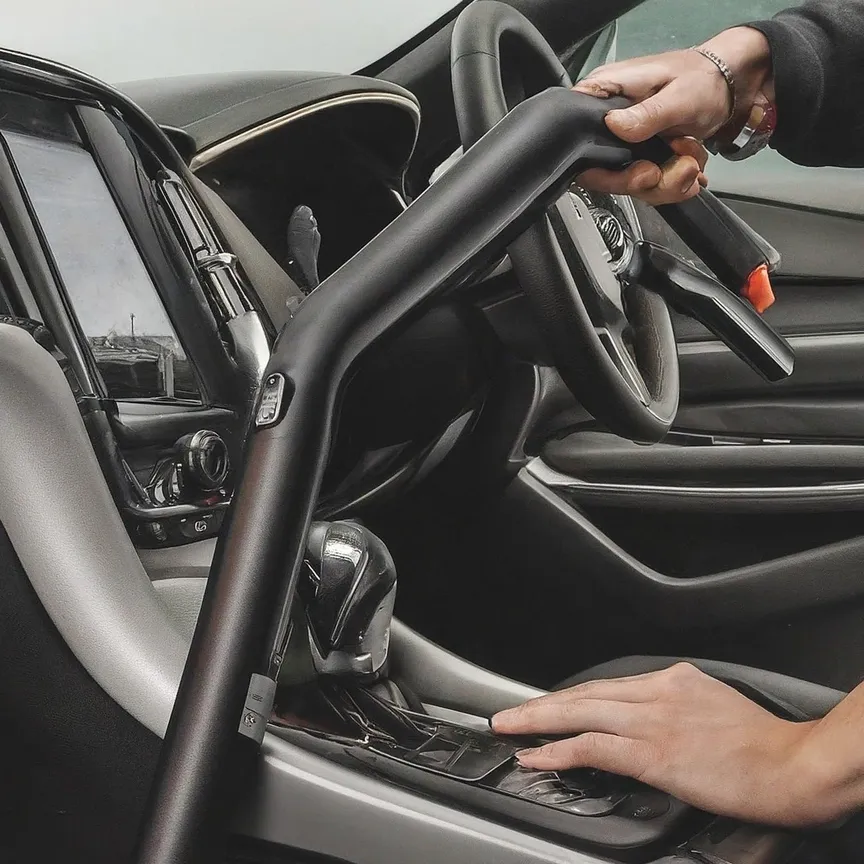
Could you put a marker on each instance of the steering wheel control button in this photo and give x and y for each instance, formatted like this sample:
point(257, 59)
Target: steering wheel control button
point(269, 411)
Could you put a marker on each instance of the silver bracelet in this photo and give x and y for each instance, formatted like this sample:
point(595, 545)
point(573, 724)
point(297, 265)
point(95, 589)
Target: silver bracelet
point(725, 71)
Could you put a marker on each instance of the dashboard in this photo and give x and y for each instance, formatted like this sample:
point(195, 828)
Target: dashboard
point(270, 143)
point(163, 283)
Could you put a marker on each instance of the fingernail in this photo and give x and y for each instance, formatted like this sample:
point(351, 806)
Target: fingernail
point(523, 753)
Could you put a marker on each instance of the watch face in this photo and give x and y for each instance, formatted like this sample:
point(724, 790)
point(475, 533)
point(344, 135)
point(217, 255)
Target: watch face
point(756, 133)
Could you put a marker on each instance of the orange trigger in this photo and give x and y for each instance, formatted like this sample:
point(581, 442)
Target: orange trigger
point(757, 289)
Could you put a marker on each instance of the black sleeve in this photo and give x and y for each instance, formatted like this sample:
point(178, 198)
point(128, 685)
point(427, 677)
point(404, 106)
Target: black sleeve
point(818, 56)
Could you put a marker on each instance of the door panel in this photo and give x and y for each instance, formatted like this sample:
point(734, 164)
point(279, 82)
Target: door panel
point(811, 243)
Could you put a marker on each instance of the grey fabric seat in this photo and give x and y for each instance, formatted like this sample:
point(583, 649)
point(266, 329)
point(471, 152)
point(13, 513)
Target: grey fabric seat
point(790, 697)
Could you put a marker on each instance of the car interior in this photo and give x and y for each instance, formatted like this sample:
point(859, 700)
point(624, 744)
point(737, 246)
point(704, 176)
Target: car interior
point(269, 340)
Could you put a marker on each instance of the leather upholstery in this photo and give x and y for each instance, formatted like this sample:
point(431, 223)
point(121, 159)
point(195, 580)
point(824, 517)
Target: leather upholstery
point(183, 597)
point(789, 697)
point(485, 89)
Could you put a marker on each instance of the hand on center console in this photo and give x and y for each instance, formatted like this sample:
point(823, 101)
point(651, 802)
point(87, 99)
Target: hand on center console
point(694, 737)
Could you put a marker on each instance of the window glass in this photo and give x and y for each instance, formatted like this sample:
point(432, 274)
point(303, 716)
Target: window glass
point(116, 303)
point(665, 25)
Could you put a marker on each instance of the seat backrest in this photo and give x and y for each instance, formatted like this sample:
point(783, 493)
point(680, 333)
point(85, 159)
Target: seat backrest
point(65, 529)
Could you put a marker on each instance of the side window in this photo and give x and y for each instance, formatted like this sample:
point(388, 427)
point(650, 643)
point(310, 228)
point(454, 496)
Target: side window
point(665, 25)
point(118, 308)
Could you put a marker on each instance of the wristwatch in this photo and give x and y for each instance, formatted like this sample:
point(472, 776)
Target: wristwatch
point(753, 137)
point(758, 127)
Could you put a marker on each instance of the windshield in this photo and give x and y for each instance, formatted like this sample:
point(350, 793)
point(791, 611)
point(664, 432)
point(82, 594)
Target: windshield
point(126, 40)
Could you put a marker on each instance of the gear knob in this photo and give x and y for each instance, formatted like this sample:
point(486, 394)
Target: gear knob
point(350, 592)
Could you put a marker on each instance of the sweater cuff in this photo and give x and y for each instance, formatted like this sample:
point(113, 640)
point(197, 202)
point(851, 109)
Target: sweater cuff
point(798, 93)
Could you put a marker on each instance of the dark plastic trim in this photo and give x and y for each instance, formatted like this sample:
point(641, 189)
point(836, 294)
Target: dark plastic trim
point(794, 583)
point(143, 424)
point(825, 363)
point(600, 457)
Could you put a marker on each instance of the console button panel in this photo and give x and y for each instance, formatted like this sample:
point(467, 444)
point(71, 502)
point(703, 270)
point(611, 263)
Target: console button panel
point(481, 758)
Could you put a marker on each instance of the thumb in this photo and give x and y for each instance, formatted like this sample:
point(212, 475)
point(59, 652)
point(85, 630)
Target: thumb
point(669, 109)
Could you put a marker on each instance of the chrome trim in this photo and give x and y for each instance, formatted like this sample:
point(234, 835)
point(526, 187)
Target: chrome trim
point(517, 454)
point(400, 199)
point(460, 718)
point(852, 339)
point(251, 345)
point(625, 202)
point(216, 151)
point(829, 496)
point(150, 514)
point(218, 264)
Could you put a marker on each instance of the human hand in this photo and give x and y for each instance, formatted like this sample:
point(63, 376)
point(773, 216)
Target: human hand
point(694, 737)
point(679, 95)
point(677, 180)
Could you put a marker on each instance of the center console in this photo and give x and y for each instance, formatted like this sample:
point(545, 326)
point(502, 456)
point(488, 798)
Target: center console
point(342, 697)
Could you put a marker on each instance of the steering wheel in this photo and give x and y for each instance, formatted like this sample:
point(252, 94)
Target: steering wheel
point(611, 340)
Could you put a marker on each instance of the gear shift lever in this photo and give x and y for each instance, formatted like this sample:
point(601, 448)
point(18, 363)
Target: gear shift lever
point(350, 594)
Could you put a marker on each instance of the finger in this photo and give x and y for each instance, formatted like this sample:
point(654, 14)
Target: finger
point(633, 180)
point(671, 108)
point(612, 753)
point(680, 177)
point(571, 717)
point(636, 80)
point(632, 688)
point(687, 146)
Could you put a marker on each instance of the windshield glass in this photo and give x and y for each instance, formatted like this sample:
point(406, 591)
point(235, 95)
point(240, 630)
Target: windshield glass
point(126, 40)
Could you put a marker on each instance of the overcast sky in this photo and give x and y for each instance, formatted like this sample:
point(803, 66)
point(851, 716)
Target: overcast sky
point(124, 40)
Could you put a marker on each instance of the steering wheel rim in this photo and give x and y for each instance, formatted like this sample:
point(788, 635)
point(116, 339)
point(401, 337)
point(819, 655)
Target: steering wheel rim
point(612, 342)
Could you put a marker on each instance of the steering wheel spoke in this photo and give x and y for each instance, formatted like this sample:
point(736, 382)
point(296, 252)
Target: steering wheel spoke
point(588, 259)
point(616, 346)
